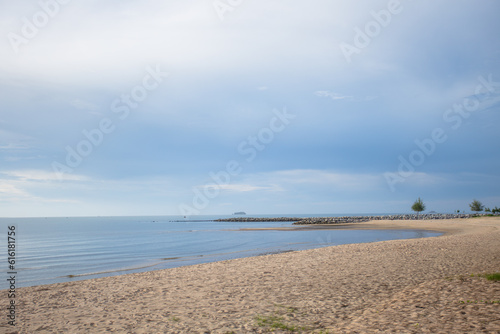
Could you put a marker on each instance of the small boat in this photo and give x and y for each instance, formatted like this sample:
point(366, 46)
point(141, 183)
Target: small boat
point(240, 213)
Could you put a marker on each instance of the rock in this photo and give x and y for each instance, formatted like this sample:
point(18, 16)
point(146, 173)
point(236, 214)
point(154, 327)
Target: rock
point(351, 219)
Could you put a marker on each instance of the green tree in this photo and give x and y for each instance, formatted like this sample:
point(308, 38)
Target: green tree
point(476, 206)
point(418, 206)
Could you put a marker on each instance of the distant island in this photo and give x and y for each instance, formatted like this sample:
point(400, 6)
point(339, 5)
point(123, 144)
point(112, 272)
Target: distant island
point(240, 213)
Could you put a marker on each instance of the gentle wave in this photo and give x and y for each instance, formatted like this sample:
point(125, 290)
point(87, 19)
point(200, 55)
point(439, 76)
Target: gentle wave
point(109, 271)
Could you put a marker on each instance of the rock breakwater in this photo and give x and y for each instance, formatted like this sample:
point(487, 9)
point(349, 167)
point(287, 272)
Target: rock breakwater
point(254, 219)
point(350, 219)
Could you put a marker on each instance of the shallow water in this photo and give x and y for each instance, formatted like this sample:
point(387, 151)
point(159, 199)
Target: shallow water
point(52, 250)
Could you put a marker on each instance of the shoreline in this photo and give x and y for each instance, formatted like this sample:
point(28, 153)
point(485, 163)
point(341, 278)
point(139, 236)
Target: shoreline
point(348, 226)
point(342, 289)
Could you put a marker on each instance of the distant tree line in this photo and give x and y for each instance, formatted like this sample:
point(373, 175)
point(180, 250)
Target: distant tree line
point(476, 206)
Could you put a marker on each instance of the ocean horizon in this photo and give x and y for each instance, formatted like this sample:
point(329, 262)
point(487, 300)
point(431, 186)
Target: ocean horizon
point(62, 249)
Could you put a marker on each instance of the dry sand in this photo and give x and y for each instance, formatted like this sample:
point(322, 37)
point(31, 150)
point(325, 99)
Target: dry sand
point(402, 286)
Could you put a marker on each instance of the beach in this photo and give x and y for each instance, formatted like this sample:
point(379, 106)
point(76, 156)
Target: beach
point(424, 285)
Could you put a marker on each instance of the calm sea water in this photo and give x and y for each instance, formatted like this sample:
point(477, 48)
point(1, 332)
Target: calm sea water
point(52, 250)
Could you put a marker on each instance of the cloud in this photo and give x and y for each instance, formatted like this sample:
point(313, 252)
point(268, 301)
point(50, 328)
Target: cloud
point(8, 189)
point(337, 181)
point(40, 175)
point(84, 105)
point(14, 146)
point(187, 36)
point(243, 187)
point(333, 96)
point(422, 180)
point(294, 181)
point(17, 190)
point(14, 140)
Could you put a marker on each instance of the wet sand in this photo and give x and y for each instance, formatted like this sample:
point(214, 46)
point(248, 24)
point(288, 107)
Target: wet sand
point(400, 286)
point(349, 226)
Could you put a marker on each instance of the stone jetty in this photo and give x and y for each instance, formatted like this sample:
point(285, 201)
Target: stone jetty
point(350, 219)
point(264, 219)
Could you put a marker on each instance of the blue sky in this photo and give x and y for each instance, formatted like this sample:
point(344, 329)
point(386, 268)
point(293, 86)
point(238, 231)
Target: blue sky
point(278, 107)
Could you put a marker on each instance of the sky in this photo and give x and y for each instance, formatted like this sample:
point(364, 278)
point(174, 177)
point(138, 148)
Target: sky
point(114, 108)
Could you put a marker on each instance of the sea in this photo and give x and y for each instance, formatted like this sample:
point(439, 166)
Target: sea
point(64, 249)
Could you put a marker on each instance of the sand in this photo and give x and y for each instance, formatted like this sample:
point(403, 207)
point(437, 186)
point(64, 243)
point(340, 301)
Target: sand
point(401, 286)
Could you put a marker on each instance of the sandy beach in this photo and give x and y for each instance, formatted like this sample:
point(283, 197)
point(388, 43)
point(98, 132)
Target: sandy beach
point(403, 286)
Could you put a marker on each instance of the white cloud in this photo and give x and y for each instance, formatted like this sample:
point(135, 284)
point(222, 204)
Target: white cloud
point(333, 96)
point(14, 191)
point(13, 146)
point(9, 189)
point(14, 140)
point(84, 105)
point(242, 187)
point(420, 179)
point(127, 36)
point(28, 188)
point(325, 178)
point(40, 175)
